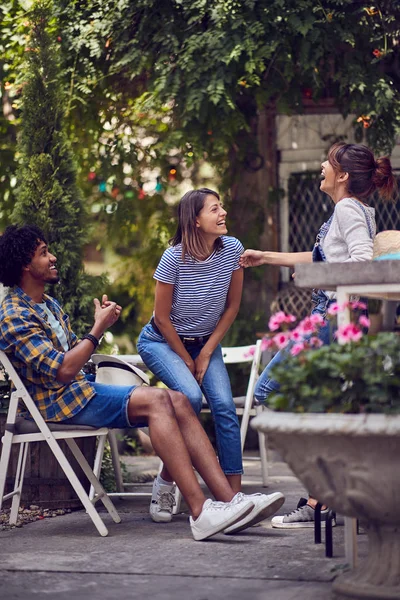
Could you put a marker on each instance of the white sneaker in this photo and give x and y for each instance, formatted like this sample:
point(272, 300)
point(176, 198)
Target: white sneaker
point(162, 503)
point(216, 516)
point(264, 507)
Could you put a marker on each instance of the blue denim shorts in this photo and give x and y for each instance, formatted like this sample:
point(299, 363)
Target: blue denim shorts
point(108, 408)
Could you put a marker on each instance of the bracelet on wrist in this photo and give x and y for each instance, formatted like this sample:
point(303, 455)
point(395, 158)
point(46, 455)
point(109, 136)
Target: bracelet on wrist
point(92, 339)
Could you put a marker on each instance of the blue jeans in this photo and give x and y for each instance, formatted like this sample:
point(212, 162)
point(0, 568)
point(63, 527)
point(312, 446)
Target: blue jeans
point(216, 387)
point(265, 384)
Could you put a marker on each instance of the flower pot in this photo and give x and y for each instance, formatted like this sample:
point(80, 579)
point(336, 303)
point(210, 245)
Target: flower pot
point(351, 463)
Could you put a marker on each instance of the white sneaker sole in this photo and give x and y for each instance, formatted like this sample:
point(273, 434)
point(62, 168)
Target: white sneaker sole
point(298, 524)
point(203, 535)
point(259, 513)
point(157, 518)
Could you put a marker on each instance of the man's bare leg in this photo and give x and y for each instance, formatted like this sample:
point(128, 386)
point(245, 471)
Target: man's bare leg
point(200, 451)
point(235, 481)
point(180, 444)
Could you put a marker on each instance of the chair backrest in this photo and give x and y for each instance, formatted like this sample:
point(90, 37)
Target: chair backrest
point(245, 354)
point(241, 354)
point(21, 393)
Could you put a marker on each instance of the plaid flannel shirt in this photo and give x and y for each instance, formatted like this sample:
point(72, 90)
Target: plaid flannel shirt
point(36, 353)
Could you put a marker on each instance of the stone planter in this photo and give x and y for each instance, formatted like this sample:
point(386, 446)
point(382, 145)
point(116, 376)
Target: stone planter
point(352, 464)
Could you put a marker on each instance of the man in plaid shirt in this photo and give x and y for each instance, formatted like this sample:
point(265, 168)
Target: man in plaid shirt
point(36, 335)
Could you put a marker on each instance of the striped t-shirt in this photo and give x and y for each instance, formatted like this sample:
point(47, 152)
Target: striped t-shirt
point(200, 287)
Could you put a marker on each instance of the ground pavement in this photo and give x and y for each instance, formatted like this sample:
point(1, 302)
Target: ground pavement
point(65, 558)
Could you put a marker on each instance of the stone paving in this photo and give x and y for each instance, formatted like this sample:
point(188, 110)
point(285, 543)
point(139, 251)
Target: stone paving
point(65, 558)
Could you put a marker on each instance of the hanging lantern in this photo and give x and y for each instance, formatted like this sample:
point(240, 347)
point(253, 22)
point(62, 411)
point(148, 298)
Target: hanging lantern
point(172, 172)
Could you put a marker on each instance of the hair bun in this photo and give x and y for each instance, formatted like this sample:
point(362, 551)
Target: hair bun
point(384, 178)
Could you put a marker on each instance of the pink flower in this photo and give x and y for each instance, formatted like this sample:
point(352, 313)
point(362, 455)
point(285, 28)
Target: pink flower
point(281, 340)
point(348, 333)
point(315, 342)
point(336, 308)
point(251, 352)
point(278, 319)
point(266, 344)
point(317, 319)
point(296, 335)
point(306, 326)
point(364, 321)
point(358, 305)
point(296, 348)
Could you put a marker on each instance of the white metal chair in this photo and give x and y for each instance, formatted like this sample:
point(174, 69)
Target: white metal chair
point(244, 404)
point(23, 431)
point(116, 370)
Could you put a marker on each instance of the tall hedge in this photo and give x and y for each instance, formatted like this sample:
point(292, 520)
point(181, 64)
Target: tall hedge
point(47, 192)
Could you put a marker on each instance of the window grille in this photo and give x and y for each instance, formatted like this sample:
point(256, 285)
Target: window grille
point(309, 208)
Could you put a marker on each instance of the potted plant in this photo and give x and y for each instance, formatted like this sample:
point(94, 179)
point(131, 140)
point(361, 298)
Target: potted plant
point(342, 436)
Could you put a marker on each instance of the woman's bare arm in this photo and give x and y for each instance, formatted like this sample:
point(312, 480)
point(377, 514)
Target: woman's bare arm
point(256, 258)
point(162, 313)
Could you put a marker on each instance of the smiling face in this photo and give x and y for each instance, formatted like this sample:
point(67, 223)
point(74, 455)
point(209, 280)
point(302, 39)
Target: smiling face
point(328, 177)
point(42, 266)
point(211, 218)
point(333, 182)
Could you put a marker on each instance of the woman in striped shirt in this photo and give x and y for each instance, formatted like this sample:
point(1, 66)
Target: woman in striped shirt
point(198, 293)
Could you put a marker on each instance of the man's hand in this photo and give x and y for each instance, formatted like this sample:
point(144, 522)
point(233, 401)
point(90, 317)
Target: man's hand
point(251, 258)
point(106, 314)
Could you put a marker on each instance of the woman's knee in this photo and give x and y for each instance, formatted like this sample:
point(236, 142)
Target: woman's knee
point(264, 388)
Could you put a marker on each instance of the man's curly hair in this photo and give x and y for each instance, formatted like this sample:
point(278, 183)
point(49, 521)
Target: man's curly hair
point(17, 248)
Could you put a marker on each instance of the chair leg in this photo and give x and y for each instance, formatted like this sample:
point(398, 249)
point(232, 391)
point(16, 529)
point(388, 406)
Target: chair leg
point(76, 484)
point(263, 446)
point(19, 480)
point(4, 462)
point(101, 442)
point(244, 427)
point(99, 490)
point(119, 482)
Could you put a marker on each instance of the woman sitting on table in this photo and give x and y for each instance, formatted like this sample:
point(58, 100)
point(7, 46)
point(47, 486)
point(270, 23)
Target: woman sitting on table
point(198, 293)
point(349, 176)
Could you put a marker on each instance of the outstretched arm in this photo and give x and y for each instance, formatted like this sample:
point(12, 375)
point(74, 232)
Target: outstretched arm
point(256, 258)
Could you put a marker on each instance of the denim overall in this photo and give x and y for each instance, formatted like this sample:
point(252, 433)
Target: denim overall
point(321, 302)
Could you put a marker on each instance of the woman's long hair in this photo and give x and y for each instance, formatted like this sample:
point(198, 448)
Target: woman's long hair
point(365, 173)
point(187, 233)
